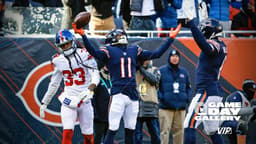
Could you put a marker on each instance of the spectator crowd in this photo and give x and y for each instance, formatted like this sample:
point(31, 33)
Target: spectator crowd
point(160, 15)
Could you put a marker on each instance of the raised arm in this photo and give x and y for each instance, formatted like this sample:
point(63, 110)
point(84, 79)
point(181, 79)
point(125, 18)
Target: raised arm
point(98, 54)
point(201, 41)
point(94, 72)
point(146, 55)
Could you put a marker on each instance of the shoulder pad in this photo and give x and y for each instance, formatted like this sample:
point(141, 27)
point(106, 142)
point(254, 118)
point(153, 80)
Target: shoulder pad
point(235, 97)
point(83, 50)
point(215, 44)
point(104, 49)
point(89, 57)
point(84, 53)
point(55, 55)
point(139, 50)
point(53, 59)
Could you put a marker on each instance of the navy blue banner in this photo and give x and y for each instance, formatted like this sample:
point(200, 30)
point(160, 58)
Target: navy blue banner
point(25, 72)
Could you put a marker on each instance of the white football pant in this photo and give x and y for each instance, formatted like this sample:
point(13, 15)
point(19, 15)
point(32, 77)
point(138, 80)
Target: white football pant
point(210, 126)
point(122, 106)
point(84, 114)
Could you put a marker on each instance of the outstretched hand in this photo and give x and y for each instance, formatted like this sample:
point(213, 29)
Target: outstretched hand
point(79, 31)
point(189, 10)
point(86, 95)
point(173, 33)
point(42, 110)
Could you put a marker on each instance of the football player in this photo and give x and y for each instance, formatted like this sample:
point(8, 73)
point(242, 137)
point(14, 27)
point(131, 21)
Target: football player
point(208, 87)
point(79, 71)
point(247, 111)
point(121, 62)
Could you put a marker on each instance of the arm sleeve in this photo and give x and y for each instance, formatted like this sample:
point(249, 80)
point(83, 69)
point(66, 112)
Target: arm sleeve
point(147, 55)
point(246, 111)
point(188, 88)
point(152, 78)
point(200, 39)
point(95, 76)
point(98, 54)
point(53, 86)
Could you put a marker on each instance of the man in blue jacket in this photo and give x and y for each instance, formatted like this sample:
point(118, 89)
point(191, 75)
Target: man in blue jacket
point(174, 95)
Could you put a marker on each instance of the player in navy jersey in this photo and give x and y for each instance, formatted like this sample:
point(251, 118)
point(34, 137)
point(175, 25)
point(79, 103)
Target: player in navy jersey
point(208, 88)
point(121, 60)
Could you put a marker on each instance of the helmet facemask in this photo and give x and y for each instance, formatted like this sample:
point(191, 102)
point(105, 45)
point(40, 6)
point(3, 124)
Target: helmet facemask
point(211, 28)
point(121, 39)
point(116, 37)
point(65, 41)
point(249, 87)
point(67, 50)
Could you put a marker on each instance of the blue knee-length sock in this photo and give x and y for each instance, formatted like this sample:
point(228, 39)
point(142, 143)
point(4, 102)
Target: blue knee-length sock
point(129, 136)
point(217, 139)
point(190, 136)
point(109, 139)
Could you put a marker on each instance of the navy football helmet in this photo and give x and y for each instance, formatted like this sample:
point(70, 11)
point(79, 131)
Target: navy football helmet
point(63, 37)
point(249, 87)
point(211, 28)
point(115, 37)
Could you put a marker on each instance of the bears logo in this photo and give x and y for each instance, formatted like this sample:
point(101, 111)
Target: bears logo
point(29, 97)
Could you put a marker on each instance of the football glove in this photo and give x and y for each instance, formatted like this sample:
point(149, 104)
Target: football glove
point(189, 10)
point(253, 102)
point(42, 109)
point(203, 14)
point(242, 127)
point(86, 95)
point(173, 33)
point(79, 31)
point(70, 101)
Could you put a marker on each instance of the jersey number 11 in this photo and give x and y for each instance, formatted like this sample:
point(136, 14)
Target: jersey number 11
point(128, 64)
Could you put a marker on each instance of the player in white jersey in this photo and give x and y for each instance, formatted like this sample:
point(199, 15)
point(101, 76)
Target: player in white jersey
point(79, 71)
